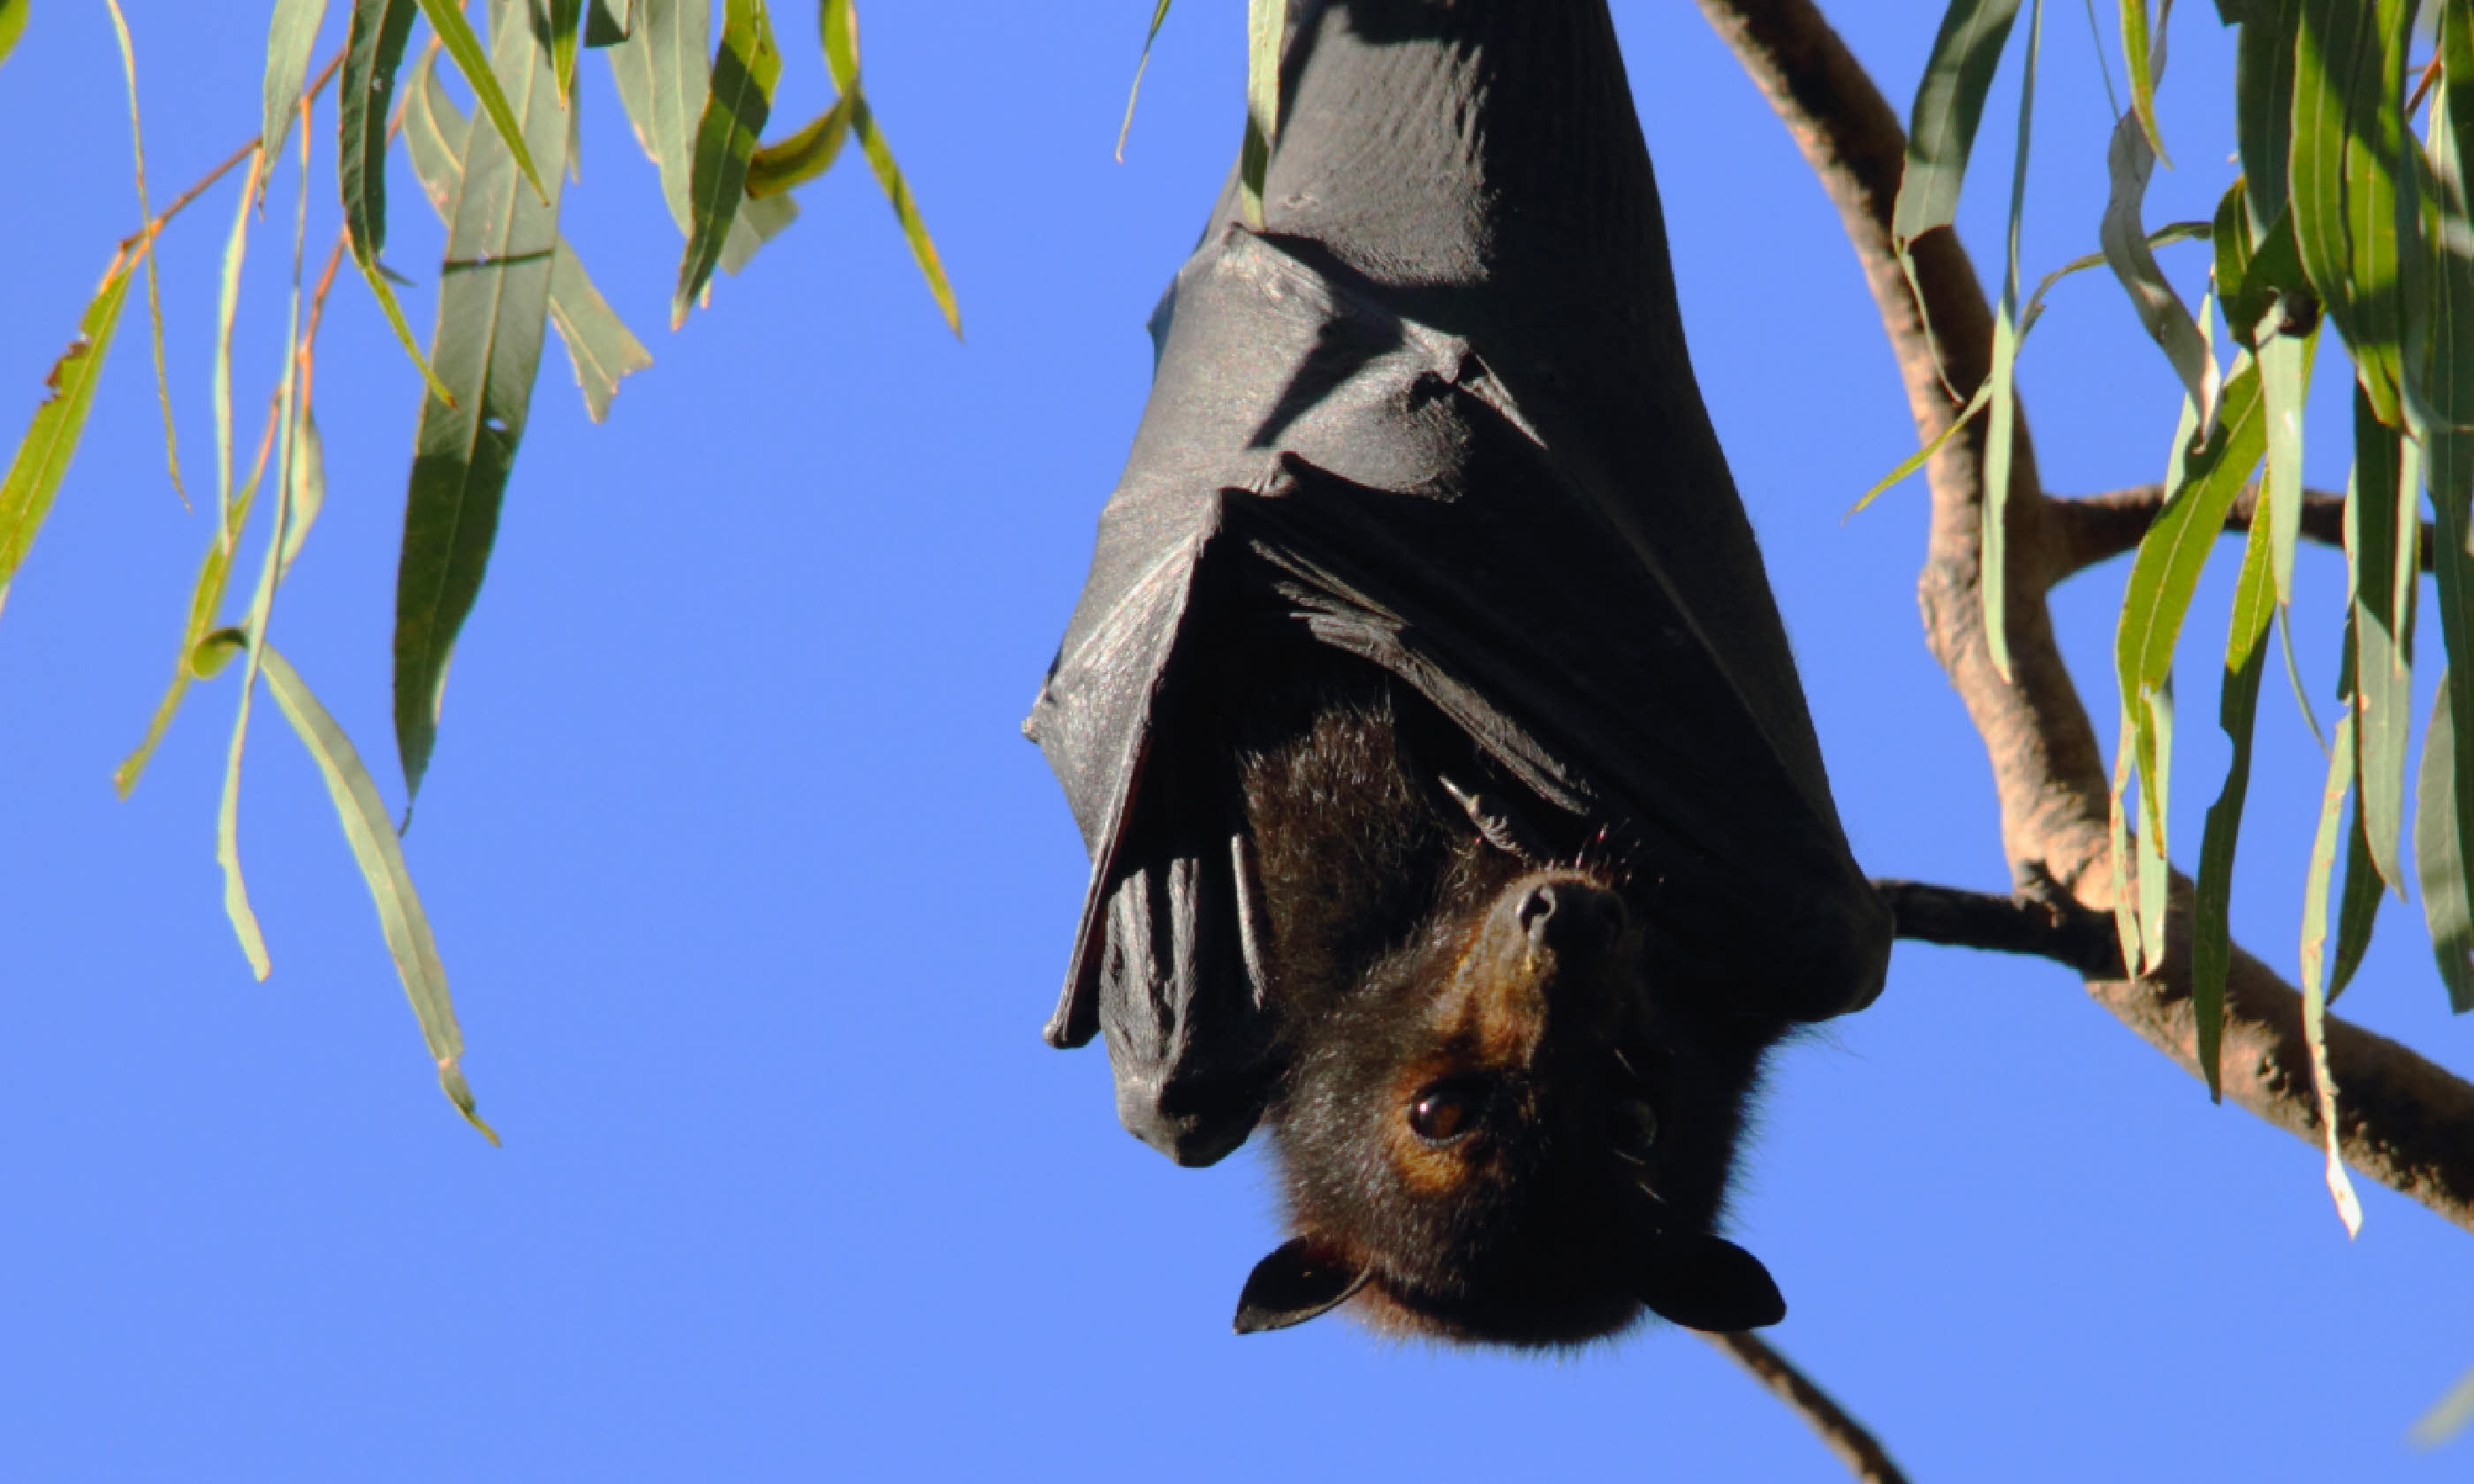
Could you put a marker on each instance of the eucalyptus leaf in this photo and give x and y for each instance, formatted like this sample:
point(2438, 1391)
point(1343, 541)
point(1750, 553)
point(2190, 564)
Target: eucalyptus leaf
point(493, 304)
point(42, 457)
point(736, 105)
point(1948, 105)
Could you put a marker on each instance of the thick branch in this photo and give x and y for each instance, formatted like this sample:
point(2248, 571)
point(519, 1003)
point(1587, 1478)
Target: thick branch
point(2086, 531)
point(1843, 1435)
point(2404, 1122)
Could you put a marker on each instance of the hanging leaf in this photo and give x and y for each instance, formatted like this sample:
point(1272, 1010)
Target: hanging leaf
point(1949, 102)
point(455, 34)
point(372, 57)
point(2348, 133)
point(2440, 840)
point(291, 35)
point(609, 22)
point(661, 69)
point(363, 815)
point(2001, 417)
point(12, 24)
point(2381, 579)
point(775, 168)
point(1159, 14)
point(2129, 161)
point(2147, 66)
point(153, 291)
point(599, 346)
point(2263, 104)
point(2237, 710)
point(735, 109)
point(492, 300)
point(2315, 998)
point(562, 31)
point(205, 601)
point(2200, 487)
point(1266, 26)
point(42, 457)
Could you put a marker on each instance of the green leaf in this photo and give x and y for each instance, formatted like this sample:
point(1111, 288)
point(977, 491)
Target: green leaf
point(2236, 711)
point(2201, 488)
point(2440, 339)
point(2348, 132)
point(290, 37)
point(735, 109)
point(562, 26)
point(455, 34)
point(154, 292)
point(838, 26)
point(2263, 104)
point(905, 211)
point(227, 310)
point(2163, 237)
point(371, 58)
point(2001, 417)
point(609, 22)
point(660, 72)
point(263, 602)
point(2146, 67)
point(2129, 160)
point(381, 856)
point(305, 472)
point(2358, 910)
point(2126, 885)
point(2383, 532)
point(775, 168)
point(2314, 997)
point(2155, 756)
point(12, 24)
point(1949, 102)
point(493, 301)
point(205, 600)
point(1266, 26)
point(42, 457)
point(1159, 14)
point(599, 346)
point(2439, 851)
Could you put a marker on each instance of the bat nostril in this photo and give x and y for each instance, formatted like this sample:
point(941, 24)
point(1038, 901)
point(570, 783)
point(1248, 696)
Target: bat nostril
point(1537, 912)
point(1569, 917)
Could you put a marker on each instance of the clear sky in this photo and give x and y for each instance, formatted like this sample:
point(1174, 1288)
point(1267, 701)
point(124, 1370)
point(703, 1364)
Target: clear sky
point(754, 901)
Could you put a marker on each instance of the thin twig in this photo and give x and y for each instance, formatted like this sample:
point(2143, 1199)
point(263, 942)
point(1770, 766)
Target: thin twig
point(143, 238)
point(2085, 531)
point(1843, 1435)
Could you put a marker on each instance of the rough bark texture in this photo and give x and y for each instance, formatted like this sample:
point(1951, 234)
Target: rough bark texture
point(2403, 1121)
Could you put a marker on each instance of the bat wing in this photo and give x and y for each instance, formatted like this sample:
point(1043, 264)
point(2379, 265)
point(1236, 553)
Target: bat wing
point(1580, 595)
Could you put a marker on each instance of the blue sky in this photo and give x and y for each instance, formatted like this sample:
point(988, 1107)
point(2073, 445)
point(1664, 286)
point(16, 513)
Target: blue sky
point(754, 899)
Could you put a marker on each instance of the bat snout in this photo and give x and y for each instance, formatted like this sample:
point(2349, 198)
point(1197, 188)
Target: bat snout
point(1575, 919)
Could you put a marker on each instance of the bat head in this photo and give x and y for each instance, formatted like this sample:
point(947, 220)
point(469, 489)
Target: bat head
point(1498, 1134)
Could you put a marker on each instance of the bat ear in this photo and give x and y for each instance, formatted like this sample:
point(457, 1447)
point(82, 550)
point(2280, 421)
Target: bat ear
point(1299, 1281)
point(1709, 1283)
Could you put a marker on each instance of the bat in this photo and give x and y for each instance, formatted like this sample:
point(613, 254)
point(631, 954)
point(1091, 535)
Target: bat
point(1451, 799)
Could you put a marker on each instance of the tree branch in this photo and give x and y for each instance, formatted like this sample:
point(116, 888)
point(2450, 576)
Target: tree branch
point(1843, 1435)
point(2042, 924)
point(2403, 1121)
point(2094, 528)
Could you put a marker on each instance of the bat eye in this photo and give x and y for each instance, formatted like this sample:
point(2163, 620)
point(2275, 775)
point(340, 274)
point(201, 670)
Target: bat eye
point(1633, 1123)
point(1444, 1111)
